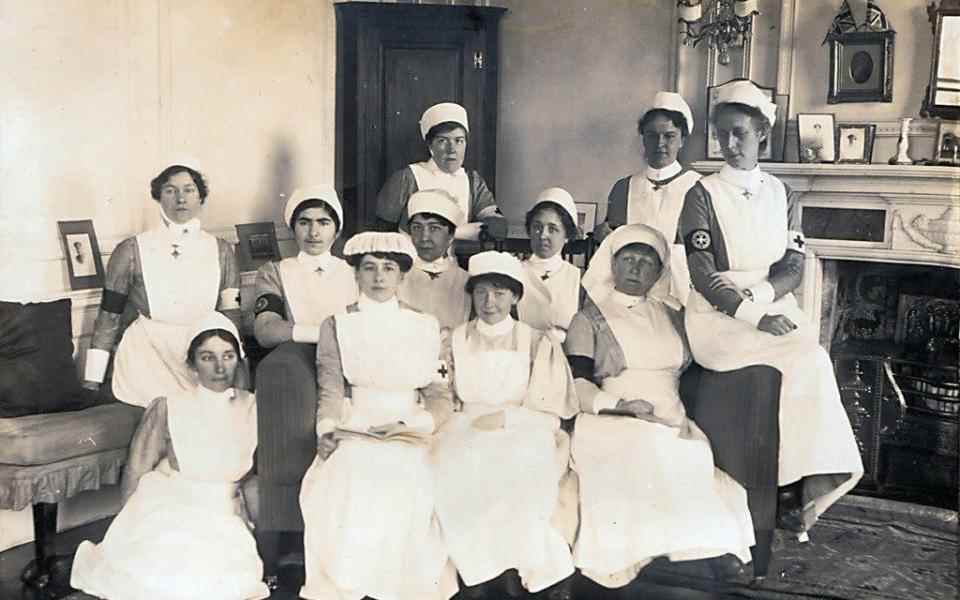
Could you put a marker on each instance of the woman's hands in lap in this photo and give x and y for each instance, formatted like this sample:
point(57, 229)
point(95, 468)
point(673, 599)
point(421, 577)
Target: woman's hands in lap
point(776, 324)
point(638, 407)
point(326, 445)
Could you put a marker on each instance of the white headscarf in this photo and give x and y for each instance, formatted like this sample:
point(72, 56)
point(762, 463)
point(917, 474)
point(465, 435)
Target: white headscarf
point(215, 320)
point(598, 280)
point(368, 242)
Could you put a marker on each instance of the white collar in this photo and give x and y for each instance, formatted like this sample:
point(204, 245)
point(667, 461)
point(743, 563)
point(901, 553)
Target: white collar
point(546, 265)
point(367, 304)
point(314, 262)
point(437, 266)
point(180, 230)
point(432, 166)
point(208, 396)
point(497, 329)
point(748, 180)
point(665, 173)
point(626, 299)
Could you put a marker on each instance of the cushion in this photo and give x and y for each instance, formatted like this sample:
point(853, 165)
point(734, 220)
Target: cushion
point(37, 372)
point(45, 439)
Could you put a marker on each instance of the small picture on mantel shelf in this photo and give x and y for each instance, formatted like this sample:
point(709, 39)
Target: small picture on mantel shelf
point(815, 134)
point(947, 151)
point(855, 143)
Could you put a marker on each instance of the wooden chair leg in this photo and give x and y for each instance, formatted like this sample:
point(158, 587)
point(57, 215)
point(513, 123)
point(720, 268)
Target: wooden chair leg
point(37, 573)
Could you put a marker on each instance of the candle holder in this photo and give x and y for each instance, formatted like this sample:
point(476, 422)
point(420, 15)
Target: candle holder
point(725, 24)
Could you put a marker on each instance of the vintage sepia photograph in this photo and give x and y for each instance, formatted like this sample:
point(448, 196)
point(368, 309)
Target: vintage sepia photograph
point(815, 135)
point(855, 143)
point(82, 254)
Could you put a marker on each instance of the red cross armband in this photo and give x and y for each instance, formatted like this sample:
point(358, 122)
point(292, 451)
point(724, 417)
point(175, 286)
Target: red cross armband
point(442, 373)
point(796, 242)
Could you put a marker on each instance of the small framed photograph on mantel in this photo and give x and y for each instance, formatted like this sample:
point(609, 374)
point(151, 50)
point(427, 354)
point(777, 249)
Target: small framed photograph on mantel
point(855, 143)
point(257, 245)
point(815, 134)
point(586, 216)
point(82, 254)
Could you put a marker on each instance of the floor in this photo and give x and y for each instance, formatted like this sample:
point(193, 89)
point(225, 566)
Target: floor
point(13, 561)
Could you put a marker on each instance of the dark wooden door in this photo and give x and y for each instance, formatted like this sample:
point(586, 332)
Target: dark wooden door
point(395, 61)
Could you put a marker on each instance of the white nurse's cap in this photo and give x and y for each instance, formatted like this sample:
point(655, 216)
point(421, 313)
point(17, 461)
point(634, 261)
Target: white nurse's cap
point(442, 113)
point(560, 197)
point(438, 202)
point(369, 242)
point(674, 102)
point(323, 192)
point(500, 263)
point(743, 91)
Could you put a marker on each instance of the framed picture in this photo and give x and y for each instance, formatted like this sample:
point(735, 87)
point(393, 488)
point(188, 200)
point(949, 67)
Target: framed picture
point(947, 151)
point(815, 135)
point(774, 148)
point(855, 143)
point(82, 253)
point(861, 67)
point(257, 245)
point(586, 216)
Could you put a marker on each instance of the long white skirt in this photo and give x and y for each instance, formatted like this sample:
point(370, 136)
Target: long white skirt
point(815, 432)
point(151, 362)
point(648, 490)
point(175, 539)
point(496, 493)
point(370, 528)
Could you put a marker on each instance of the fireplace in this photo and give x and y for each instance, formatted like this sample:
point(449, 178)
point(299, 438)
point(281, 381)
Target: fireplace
point(882, 281)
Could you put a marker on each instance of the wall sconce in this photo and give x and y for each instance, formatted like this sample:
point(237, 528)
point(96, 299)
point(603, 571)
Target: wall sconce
point(725, 25)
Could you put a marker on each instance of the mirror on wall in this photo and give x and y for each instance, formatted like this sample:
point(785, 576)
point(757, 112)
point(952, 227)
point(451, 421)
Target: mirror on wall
point(943, 91)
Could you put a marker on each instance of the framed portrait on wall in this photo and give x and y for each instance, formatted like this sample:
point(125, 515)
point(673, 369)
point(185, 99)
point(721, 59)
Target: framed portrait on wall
point(82, 254)
point(257, 244)
point(775, 145)
point(861, 67)
point(586, 216)
point(855, 142)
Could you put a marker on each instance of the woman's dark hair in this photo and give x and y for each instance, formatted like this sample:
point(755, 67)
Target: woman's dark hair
point(569, 227)
point(157, 183)
point(315, 203)
point(641, 247)
point(403, 261)
point(677, 118)
point(445, 127)
point(430, 215)
point(760, 122)
point(198, 341)
point(497, 280)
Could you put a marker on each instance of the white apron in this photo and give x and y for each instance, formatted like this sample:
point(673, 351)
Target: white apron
point(311, 297)
point(661, 209)
point(179, 537)
point(550, 305)
point(498, 490)
point(755, 233)
point(648, 489)
point(430, 176)
point(368, 510)
point(151, 357)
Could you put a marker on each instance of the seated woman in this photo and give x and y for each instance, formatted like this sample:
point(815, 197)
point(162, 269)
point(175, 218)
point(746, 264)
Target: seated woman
point(296, 294)
point(745, 252)
point(500, 459)
point(182, 532)
point(158, 284)
point(367, 499)
point(552, 295)
point(648, 487)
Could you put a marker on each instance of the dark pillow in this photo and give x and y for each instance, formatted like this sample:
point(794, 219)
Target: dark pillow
point(37, 372)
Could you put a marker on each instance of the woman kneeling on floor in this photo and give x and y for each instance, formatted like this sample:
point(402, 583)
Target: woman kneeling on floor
point(648, 486)
point(182, 533)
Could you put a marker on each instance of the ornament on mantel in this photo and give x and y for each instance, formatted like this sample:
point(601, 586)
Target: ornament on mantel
point(902, 156)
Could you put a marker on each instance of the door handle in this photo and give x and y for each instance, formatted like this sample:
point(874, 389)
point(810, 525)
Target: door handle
point(478, 60)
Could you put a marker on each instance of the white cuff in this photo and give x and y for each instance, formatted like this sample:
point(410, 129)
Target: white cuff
point(750, 312)
point(468, 231)
point(325, 425)
point(306, 334)
point(763, 293)
point(230, 299)
point(96, 365)
point(604, 400)
point(489, 211)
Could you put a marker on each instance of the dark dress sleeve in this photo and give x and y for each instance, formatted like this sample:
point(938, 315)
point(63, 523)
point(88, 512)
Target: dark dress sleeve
point(150, 445)
point(331, 385)
point(482, 199)
point(617, 203)
point(116, 290)
point(787, 273)
point(392, 199)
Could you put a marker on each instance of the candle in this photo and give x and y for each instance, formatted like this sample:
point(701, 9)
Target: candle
point(689, 12)
point(744, 8)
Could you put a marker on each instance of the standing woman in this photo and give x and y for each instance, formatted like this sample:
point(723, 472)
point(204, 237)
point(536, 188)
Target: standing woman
point(648, 485)
point(500, 460)
point(296, 294)
point(654, 196)
point(445, 129)
point(552, 295)
point(368, 502)
point(158, 283)
point(745, 249)
point(182, 532)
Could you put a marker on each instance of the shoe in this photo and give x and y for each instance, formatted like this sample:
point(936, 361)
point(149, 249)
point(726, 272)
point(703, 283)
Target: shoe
point(726, 568)
point(512, 584)
point(790, 510)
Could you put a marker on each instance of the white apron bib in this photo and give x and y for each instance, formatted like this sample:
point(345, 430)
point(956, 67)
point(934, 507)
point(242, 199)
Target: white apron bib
point(550, 305)
point(312, 297)
point(457, 184)
point(151, 357)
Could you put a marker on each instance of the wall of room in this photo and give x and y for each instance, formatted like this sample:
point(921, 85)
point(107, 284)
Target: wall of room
point(98, 96)
point(574, 78)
